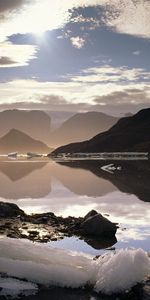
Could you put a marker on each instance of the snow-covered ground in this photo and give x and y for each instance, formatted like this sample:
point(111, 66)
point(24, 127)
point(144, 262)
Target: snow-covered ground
point(41, 264)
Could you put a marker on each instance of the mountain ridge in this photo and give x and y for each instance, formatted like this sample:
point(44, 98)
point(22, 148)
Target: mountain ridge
point(128, 134)
point(26, 121)
point(81, 126)
point(17, 141)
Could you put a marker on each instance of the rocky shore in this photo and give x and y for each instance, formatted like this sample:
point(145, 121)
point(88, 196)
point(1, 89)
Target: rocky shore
point(95, 229)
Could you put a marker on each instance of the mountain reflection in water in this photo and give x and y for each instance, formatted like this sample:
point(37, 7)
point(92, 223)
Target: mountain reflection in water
point(24, 179)
point(74, 188)
point(132, 178)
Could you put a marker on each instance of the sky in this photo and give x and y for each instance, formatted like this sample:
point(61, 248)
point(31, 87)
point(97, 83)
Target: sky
point(75, 55)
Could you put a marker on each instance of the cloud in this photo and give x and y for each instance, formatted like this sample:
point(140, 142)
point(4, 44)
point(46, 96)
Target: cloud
point(26, 16)
point(137, 52)
point(7, 5)
point(12, 55)
point(77, 42)
point(6, 61)
point(108, 73)
point(132, 96)
point(75, 96)
point(128, 100)
point(129, 16)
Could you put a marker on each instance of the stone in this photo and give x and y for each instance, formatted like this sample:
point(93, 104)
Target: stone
point(9, 210)
point(91, 213)
point(97, 225)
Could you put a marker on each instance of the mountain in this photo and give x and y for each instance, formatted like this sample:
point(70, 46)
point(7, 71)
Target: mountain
point(35, 123)
point(81, 126)
point(128, 134)
point(17, 141)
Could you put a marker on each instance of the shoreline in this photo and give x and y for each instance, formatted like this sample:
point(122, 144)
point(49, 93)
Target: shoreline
point(46, 227)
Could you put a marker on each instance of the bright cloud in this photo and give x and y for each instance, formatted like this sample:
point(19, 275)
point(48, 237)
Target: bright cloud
point(102, 86)
point(111, 74)
point(129, 16)
point(137, 52)
point(12, 55)
point(25, 16)
point(77, 42)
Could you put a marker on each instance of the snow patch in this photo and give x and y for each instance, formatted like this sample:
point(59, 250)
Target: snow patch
point(14, 287)
point(41, 264)
point(121, 271)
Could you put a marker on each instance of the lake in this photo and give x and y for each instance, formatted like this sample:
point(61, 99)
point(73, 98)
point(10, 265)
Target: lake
point(73, 188)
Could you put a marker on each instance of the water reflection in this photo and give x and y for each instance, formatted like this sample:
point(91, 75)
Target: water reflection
point(74, 188)
point(102, 243)
point(133, 178)
point(24, 179)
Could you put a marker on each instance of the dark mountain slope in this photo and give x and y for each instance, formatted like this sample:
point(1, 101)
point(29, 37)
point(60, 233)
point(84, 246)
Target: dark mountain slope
point(129, 134)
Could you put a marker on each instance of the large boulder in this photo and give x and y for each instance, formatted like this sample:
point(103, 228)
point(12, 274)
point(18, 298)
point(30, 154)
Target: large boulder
point(94, 224)
point(9, 210)
point(91, 213)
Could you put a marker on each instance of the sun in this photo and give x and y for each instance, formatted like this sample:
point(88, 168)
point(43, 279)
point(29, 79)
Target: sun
point(39, 34)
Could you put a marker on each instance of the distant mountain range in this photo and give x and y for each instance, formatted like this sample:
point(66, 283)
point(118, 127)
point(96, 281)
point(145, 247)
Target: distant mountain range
point(81, 126)
point(35, 123)
point(17, 141)
point(128, 134)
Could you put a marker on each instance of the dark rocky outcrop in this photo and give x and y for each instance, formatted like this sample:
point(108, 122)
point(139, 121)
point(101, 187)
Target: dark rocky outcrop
point(94, 229)
point(95, 224)
point(9, 210)
point(129, 134)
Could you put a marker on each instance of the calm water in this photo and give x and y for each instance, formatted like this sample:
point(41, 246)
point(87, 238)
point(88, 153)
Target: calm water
point(74, 188)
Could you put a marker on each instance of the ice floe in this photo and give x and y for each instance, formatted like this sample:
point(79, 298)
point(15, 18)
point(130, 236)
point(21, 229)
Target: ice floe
point(42, 264)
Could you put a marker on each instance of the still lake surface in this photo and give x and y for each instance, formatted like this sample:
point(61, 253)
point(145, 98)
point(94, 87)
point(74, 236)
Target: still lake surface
point(76, 187)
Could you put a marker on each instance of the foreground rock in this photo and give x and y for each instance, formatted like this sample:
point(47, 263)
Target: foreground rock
point(96, 230)
point(97, 225)
point(9, 210)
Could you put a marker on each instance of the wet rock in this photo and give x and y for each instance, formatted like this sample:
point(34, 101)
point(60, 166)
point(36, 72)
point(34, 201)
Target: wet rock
point(13, 235)
point(53, 239)
point(146, 290)
point(33, 232)
point(97, 225)
point(9, 210)
point(41, 220)
point(91, 213)
point(15, 223)
point(23, 236)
